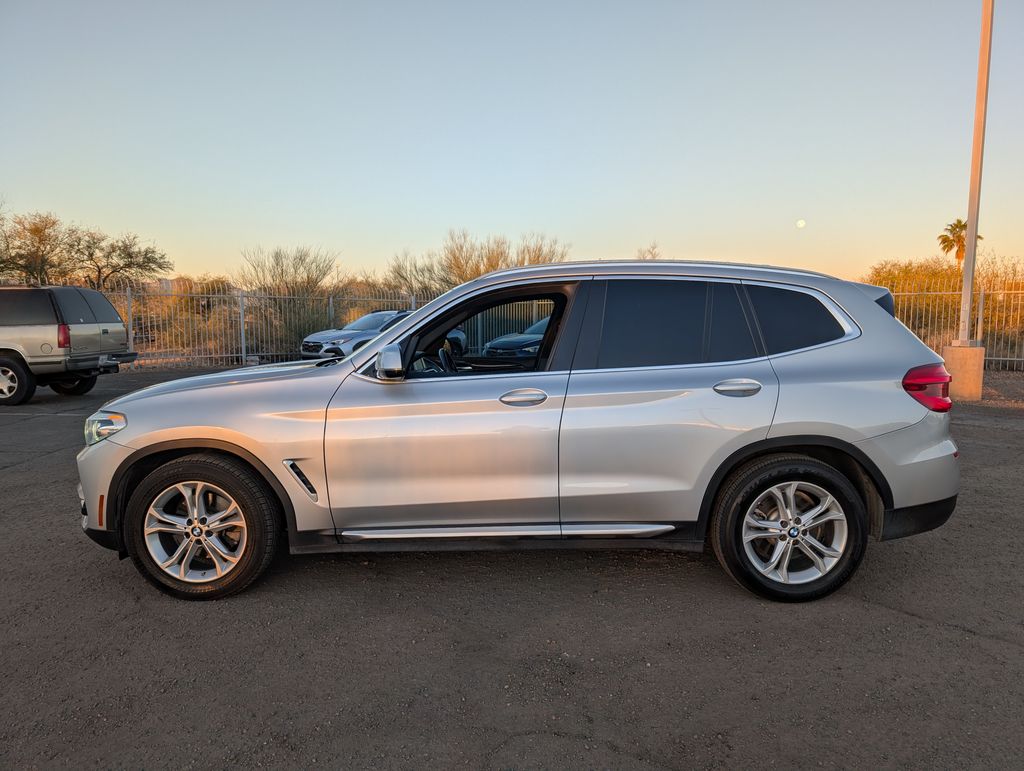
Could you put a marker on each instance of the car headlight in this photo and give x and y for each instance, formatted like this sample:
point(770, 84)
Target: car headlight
point(339, 341)
point(531, 350)
point(102, 424)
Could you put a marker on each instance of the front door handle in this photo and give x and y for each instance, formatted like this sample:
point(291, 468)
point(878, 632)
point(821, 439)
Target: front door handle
point(523, 397)
point(740, 386)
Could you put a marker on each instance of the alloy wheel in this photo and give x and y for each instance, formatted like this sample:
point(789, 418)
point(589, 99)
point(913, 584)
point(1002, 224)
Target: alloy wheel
point(794, 532)
point(195, 532)
point(8, 382)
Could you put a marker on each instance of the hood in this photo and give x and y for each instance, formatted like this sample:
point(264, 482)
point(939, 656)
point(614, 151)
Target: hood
point(261, 373)
point(331, 334)
point(513, 342)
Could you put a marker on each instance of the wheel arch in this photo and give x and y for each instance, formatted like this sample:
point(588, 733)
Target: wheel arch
point(15, 353)
point(140, 463)
point(843, 456)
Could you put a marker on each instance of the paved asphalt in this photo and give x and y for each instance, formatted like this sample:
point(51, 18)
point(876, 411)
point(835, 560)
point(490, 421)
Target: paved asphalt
point(511, 660)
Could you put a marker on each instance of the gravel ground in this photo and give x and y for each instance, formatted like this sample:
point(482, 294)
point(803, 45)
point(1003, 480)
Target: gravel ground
point(582, 659)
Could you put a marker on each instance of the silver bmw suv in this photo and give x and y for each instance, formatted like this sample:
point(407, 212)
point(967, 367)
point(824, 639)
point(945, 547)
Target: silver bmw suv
point(784, 417)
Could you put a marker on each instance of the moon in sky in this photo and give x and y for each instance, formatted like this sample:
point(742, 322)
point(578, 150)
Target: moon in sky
point(801, 224)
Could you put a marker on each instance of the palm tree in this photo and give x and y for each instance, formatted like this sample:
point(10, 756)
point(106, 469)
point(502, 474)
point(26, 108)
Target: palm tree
point(954, 237)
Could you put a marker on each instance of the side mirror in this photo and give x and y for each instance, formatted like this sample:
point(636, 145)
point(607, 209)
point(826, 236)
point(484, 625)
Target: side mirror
point(389, 363)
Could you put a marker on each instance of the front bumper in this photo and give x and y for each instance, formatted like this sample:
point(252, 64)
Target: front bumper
point(96, 466)
point(108, 539)
point(911, 520)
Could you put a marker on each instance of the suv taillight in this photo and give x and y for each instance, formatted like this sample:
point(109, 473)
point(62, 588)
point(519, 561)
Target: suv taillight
point(63, 336)
point(929, 384)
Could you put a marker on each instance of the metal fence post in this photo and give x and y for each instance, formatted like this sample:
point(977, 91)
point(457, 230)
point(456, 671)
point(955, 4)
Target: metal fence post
point(980, 331)
point(131, 321)
point(412, 301)
point(241, 322)
point(330, 311)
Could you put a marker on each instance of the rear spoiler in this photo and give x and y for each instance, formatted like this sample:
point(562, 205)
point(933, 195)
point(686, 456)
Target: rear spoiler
point(881, 295)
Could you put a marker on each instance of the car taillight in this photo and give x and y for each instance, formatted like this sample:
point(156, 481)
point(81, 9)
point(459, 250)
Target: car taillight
point(929, 384)
point(63, 336)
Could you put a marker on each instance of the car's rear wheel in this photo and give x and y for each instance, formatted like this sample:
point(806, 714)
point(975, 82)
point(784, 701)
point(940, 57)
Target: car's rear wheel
point(74, 387)
point(17, 384)
point(203, 526)
point(789, 527)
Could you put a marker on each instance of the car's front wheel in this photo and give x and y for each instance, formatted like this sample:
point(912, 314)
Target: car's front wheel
point(203, 526)
point(789, 527)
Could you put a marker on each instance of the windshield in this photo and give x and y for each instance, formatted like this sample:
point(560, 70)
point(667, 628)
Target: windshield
point(538, 328)
point(394, 320)
point(370, 322)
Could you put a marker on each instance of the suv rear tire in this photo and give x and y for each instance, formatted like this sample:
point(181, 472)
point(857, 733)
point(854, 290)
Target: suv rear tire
point(202, 527)
point(789, 527)
point(17, 383)
point(75, 387)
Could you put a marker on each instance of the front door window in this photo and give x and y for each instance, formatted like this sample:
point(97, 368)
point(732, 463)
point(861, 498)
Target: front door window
point(497, 335)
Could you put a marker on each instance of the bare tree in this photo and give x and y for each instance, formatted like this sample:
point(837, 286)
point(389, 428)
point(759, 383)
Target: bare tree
point(297, 271)
point(98, 258)
point(35, 249)
point(463, 258)
point(649, 252)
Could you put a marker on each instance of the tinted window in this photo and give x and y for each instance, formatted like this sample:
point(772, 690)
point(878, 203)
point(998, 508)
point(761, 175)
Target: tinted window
point(537, 329)
point(651, 323)
point(730, 338)
point(394, 320)
point(101, 307)
point(370, 322)
point(73, 306)
point(26, 306)
point(790, 320)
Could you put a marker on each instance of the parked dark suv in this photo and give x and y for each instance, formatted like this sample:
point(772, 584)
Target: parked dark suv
point(62, 337)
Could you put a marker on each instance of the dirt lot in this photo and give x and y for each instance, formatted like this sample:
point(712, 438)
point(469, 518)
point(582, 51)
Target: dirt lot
point(535, 659)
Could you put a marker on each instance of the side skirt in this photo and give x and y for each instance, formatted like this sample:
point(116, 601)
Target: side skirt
point(605, 535)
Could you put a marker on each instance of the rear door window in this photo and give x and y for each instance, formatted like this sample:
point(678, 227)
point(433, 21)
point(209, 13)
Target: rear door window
point(104, 312)
point(22, 307)
point(790, 319)
point(73, 306)
point(652, 323)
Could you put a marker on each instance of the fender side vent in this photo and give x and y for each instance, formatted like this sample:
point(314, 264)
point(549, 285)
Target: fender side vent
point(302, 478)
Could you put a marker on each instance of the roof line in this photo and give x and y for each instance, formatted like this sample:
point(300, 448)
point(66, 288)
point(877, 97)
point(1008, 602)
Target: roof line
point(632, 263)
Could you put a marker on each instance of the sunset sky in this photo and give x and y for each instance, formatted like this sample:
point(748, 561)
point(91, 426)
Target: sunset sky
point(370, 128)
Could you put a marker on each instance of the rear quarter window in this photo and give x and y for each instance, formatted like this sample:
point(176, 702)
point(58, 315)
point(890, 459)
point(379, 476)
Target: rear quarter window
point(791, 320)
point(24, 307)
point(73, 306)
point(104, 312)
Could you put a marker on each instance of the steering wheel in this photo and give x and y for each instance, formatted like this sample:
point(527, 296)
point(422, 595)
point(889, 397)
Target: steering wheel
point(447, 361)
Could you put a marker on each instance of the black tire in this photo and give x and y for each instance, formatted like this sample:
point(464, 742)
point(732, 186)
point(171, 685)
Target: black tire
point(76, 387)
point(742, 489)
point(25, 382)
point(259, 506)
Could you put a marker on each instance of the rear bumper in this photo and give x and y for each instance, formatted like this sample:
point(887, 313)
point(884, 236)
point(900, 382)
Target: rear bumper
point(910, 520)
point(103, 363)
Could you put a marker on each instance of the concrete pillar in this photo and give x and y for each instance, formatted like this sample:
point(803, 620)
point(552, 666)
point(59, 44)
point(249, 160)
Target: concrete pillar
point(966, 363)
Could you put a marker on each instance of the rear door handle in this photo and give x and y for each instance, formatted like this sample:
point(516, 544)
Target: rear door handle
point(740, 386)
point(523, 397)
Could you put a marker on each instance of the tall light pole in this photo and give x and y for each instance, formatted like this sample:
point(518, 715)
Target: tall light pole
point(968, 366)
